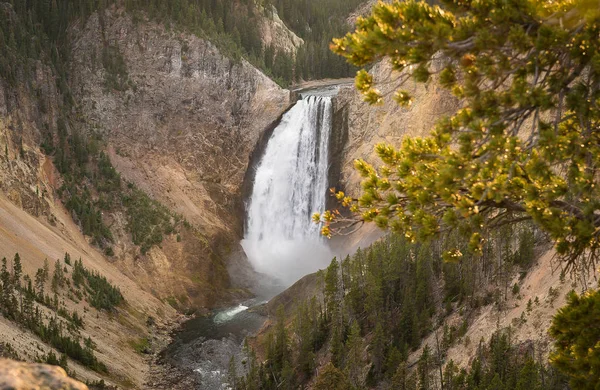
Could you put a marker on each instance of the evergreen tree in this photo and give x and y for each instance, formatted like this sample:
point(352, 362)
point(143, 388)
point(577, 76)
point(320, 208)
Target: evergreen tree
point(576, 333)
point(472, 172)
point(40, 281)
point(9, 305)
point(528, 377)
point(332, 288)
point(331, 378)
point(378, 350)
point(58, 278)
point(336, 346)
point(423, 369)
point(354, 351)
point(17, 271)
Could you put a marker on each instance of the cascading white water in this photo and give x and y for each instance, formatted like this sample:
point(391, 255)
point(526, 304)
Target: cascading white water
point(289, 186)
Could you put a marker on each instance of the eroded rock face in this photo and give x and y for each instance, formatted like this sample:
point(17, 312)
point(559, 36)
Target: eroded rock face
point(369, 125)
point(183, 121)
point(362, 126)
point(25, 110)
point(275, 33)
point(180, 120)
point(26, 376)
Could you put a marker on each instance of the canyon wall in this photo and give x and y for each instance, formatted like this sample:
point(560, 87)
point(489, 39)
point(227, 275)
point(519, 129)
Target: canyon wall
point(179, 120)
point(181, 127)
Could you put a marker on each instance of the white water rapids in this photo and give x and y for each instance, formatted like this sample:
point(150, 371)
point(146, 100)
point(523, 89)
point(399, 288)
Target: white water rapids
point(228, 314)
point(290, 185)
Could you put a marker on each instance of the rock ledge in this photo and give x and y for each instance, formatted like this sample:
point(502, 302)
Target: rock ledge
point(21, 376)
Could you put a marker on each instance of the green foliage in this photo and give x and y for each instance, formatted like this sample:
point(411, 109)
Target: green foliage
point(50, 330)
point(378, 305)
point(101, 293)
point(9, 352)
point(278, 353)
point(148, 220)
point(577, 347)
point(58, 278)
point(522, 145)
point(353, 361)
point(317, 22)
point(331, 378)
point(141, 345)
point(308, 326)
point(403, 380)
point(85, 175)
point(500, 365)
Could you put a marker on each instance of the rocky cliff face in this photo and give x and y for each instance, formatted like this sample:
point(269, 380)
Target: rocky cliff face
point(25, 111)
point(276, 34)
point(369, 125)
point(181, 121)
point(184, 123)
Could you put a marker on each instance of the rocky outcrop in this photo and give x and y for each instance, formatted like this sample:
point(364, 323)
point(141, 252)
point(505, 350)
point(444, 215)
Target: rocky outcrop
point(369, 125)
point(25, 376)
point(275, 33)
point(26, 111)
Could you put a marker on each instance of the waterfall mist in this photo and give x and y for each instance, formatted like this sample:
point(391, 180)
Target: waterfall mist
point(290, 185)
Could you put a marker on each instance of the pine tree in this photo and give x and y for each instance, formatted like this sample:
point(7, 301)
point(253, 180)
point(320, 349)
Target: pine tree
point(576, 333)
point(423, 369)
point(400, 378)
point(332, 288)
point(471, 173)
point(378, 350)
point(336, 346)
point(305, 331)
point(528, 377)
point(40, 281)
point(58, 278)
point(354, 363)
point(331, 378)
point(17, 271)
point(8, 301)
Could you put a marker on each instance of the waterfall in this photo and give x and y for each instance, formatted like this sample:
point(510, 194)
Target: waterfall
point(290, 185)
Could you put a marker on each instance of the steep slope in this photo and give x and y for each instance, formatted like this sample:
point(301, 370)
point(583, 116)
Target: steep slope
point(543, 285)
point(181, 130)
point(112, 333)
point(369, 125)
point(277, 35)
point(512, 301)
point(178, 120)
point(185, 127)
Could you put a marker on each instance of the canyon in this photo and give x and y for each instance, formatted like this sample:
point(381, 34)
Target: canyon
point(189, 127)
